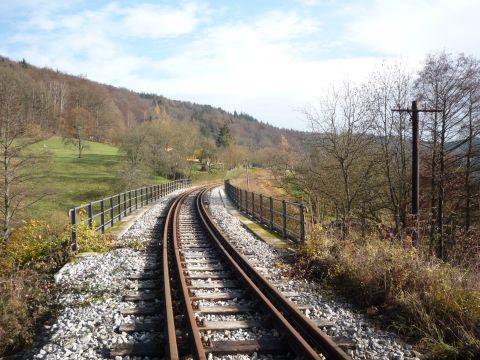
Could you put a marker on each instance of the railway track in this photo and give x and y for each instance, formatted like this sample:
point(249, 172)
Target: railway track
point(203, 298)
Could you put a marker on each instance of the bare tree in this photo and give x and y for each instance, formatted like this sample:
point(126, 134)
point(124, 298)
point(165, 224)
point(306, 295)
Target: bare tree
point(444, 83)
point(345, 147)
point(390, 87)
point(19, 164)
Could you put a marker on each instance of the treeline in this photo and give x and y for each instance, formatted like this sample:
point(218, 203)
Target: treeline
point(63, 104)
point(355, 167)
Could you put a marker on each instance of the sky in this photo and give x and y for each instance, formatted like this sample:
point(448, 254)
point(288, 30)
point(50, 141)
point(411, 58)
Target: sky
point(269, 59)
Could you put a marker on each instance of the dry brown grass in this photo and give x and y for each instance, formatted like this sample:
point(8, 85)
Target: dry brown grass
point(429, 300)
point(26, 298)
point(260, 181)
point(27, 291)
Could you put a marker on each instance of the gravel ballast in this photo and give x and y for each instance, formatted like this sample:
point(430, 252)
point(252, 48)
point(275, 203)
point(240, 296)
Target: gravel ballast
point(370, 343)
point(91, 297)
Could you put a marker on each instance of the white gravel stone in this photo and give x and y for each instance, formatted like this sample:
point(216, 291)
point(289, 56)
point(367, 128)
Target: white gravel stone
point(90, 299)
point(370, 342)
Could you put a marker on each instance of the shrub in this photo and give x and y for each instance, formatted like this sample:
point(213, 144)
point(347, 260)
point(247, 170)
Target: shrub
point(89, 240)
point(34, 245)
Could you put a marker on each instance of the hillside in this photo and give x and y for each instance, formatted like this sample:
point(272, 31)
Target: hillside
point(112, 110)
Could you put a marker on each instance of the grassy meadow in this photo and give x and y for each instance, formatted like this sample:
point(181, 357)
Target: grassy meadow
point(71, 180)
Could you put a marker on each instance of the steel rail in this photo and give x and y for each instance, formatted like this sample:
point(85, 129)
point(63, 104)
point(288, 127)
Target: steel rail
point(295, 339)
point(198, 351)
point(303, 331)
point(171, 346)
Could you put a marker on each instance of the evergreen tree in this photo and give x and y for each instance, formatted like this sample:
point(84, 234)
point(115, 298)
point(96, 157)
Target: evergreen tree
point(224, 137)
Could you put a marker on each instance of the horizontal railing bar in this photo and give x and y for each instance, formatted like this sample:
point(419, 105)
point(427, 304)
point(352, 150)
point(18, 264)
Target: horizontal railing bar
point(122, 204)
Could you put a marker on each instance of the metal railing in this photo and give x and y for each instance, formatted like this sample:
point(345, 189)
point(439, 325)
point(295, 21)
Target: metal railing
point(104, 213)
point(284, 217)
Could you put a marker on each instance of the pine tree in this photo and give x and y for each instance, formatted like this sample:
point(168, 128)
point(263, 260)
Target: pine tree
point(224, 137)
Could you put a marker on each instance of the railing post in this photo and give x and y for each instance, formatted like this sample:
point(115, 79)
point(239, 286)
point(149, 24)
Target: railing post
point(90, 214)
point(102, 215)
point(124, 204)
point(302, 222)
point(271, 213)
point(130, 201)
point(136, 200)
point(241, 201)
point(111, 211)
point(246, 202)
point(141, 197)
point(119, 201)
point(73, 223)
point(261, 209)
point(284, 216)
point(253, 205)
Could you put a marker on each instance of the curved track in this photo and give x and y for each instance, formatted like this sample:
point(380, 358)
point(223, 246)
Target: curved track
point(203, 297)
point(217, 291)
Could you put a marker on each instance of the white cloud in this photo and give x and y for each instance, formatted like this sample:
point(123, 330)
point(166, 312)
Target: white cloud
point(267, 65)
point(417, 26)
point(158, 21)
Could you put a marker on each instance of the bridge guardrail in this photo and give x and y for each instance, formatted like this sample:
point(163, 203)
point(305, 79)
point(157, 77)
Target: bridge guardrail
point(109, 210)
point(284, 217)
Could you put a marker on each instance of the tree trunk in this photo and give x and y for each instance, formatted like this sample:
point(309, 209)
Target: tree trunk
point(7, 216)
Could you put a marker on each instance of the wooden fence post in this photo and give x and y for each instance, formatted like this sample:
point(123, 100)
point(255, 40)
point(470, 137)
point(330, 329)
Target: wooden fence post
point(284, 216)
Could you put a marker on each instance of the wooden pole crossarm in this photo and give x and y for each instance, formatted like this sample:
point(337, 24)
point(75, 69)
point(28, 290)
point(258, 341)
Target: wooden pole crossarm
point(416, 161)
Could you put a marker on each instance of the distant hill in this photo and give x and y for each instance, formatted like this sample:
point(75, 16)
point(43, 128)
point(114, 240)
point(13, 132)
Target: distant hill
point(113, 110)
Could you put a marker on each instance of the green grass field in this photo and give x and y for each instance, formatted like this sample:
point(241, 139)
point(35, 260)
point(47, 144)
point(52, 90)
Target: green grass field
point(75, 181)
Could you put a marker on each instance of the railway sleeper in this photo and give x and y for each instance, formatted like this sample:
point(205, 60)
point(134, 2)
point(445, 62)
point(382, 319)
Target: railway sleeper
point(142, 296)
point(224, 275)
point(138, 326)
point(218, 295)
point(151, 349)
point(247, 347)
point(225, 310)
point(142, 310)
point(231, 325)
point(146, 284)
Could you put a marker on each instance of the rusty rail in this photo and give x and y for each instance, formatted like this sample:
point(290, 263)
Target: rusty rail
point(301, 329)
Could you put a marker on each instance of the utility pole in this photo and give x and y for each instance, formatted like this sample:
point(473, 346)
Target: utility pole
point(416, 162)
point(248, 180)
